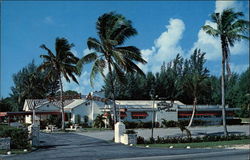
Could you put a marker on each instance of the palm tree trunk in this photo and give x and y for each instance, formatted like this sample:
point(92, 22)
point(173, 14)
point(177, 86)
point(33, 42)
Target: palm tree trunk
point(62, 104)
point(112, 91)
point(223, 87)
point(193, 113)
point(223, 98)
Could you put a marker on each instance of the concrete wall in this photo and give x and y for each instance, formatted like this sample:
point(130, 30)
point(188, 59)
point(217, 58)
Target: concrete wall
point(169, 115)
point(5, 143)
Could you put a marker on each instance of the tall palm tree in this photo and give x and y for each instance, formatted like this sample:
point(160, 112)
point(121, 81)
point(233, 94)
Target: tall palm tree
point(196, 78)
point(113, 29)
point(59, 65)
point(230, 28)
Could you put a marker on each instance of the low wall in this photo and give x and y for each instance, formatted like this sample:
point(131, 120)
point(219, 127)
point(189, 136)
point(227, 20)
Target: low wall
point(129, 139)
point(5, 143)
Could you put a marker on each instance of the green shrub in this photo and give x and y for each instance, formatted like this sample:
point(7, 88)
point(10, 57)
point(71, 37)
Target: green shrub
point(162, 140)
point(233, 121)
point(168, 124)
point(67, 125)
point(85, 125)
point(132, 125)
point(140, 140)
point(130, 131)
point(19, 136)
point(54, 120)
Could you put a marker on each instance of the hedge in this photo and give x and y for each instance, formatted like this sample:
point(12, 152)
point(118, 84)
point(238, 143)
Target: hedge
point(207, 138)
point(132, 125)
point(19, 136)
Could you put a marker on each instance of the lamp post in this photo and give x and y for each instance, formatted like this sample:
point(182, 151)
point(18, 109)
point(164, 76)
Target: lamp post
point(153, 97)
point(119, 111)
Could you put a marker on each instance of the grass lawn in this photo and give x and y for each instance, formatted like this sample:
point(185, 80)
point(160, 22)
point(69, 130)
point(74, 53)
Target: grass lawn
point(14, 151)
point(217, 144)
point(245, 120)
point(94, 129)
point(79, 130)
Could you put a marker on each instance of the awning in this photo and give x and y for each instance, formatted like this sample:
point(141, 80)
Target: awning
point(143, 114)
point(123, 114)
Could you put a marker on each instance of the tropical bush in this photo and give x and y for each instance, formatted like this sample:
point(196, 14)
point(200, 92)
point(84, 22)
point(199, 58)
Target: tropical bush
point(167, 124)
point(99, 121)
point(130, 131)
point(54, 120)
point(131, 125)
point(19, 136)
point(172, 123)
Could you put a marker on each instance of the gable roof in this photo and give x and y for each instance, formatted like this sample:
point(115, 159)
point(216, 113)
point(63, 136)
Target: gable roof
point(74, 104)
point(41, 102)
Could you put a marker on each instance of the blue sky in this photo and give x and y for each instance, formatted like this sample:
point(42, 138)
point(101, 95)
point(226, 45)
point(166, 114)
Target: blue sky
point(165, 28)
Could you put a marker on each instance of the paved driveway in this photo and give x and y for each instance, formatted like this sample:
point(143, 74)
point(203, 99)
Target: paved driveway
point(163, 132)
point(70, 146)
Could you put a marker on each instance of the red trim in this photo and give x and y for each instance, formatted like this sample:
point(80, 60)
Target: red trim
point(199, 114)
point(143, 114)
point(123, 114)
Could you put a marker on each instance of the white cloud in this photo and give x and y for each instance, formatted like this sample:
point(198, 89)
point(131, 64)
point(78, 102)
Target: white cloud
point(86, 51)
point(84, 86)
point(212, 45)
point(166, 46)
point(221, 5)
point(48, 20)
point(146, 55)
point(238, 68)
point(208, 44)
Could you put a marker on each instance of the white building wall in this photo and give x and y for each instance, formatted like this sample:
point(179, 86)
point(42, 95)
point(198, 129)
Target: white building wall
point(82, 110)
point(166, 115)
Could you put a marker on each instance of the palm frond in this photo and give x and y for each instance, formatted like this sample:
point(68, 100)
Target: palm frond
point(93, 43)
point(132, 53)
point(211, 31)
point(43, 46)
point(132, 67)
point(98, 67)
point(85, 60)
point(119, 74)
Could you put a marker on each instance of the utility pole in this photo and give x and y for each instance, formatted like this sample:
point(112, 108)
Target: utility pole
point(153, 97)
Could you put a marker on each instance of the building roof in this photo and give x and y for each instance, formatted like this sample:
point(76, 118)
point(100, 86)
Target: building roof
point(143, 103)
point(41, 102)
point(75, 103)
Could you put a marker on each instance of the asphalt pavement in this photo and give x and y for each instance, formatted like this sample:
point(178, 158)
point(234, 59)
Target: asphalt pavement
point(71, 146)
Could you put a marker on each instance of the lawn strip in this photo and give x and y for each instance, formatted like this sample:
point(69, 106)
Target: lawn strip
point(216, 144)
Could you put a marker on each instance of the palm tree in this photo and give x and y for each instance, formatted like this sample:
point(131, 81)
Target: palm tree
point(99, 121)
point(229, 29)
point(196, 78)
point(59, 65)
point(113, 29)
